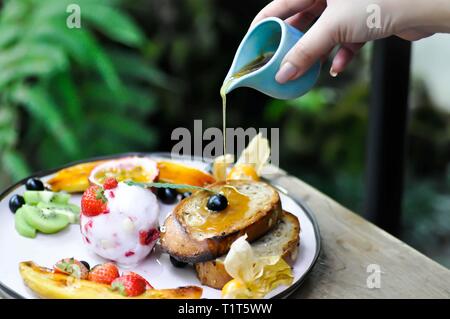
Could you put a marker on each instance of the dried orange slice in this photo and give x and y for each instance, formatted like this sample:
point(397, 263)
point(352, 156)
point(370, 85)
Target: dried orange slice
point(176, 173)
point(73, 179)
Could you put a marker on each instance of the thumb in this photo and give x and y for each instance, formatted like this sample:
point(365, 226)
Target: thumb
point(315, 44)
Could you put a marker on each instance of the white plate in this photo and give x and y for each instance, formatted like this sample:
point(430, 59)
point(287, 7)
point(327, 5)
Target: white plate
point(45, 250)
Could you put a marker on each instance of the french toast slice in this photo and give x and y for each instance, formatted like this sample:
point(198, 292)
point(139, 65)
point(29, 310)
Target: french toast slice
point(282, 240)
point(186, 240)
point(177, 243)
point(248, 203)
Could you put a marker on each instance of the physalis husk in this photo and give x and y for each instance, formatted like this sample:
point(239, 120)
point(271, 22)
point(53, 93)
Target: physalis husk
point(256, 153)
point(253, 276)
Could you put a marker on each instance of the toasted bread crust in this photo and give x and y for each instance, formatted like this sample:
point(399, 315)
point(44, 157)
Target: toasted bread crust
point(213, 274)
point(273, 203)
point(177, 242)
point(290, 250)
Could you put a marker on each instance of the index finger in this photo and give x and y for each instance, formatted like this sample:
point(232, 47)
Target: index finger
point(282, 9)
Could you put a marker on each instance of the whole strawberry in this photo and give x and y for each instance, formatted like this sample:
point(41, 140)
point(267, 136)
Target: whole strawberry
point(129, 285)
point(104, 273)
point(93, 201)
point(130, 273)
point(71, 267)
point(110, 183)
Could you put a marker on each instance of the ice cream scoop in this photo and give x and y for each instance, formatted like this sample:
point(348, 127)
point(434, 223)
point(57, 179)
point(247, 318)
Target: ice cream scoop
point(127, 230)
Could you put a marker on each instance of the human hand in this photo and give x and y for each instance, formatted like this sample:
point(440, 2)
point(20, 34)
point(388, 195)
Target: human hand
point(349, 24)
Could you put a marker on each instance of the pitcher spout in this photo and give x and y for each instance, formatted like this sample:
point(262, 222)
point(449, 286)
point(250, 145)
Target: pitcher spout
point(230, 83)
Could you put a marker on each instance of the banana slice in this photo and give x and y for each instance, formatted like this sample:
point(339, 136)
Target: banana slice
point(47, 284)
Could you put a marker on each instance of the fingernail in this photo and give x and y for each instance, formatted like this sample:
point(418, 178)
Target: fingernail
point(333, 73)
point(286, 72)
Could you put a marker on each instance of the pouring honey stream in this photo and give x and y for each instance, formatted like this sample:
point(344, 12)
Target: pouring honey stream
point(252, 66)
point(237, 202)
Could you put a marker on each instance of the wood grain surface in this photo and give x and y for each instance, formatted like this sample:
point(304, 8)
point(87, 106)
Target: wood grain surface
point(351, 243)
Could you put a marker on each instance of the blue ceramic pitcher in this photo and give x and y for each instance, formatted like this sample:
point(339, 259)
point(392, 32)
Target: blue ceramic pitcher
point(270, 35)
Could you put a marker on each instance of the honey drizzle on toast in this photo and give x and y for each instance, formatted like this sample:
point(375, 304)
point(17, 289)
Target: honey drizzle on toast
point(218, 222)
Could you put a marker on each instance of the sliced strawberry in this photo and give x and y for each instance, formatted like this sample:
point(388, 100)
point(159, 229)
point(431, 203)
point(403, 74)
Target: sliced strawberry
point(130, 273)
point(94, 202)
point(147, 237)
point(129, 285)
point(110, 183)
point(104, 273)
point(71, 267)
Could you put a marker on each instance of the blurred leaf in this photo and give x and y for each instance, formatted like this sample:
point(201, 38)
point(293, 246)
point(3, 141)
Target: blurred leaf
point(125, 127)
point(8, 132)
point(132, 65)
point(43, 109)
point(13, 11)
point(8, 137)
point(134, 98)
point(74, 41)
point(113, 23)
point(107, 70)
point(49, 154)
point(101, 97)
point(314, 101)
point(15, 164)
point(67, 92)
point(274, 111)
point(105, 145)
point(10, 34)
point(30, 60)
point(141, 100)
point(179, 52)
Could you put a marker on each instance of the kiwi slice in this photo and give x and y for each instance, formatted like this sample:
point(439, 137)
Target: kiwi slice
point(35, 197)
point(70, 210)
point(22, 227)
point(44, 219)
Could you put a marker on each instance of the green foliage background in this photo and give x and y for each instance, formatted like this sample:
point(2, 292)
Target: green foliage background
point(138, 69)
point(72, 93)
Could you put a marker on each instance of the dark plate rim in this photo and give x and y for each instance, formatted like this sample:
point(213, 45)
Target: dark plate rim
point(9, 292)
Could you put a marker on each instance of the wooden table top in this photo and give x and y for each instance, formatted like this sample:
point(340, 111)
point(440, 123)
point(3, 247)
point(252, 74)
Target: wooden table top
point(350, 244)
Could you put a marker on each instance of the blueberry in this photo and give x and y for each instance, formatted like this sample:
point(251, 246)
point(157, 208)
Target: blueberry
point(176, 263)
point(185, 195)
point(86, 264)
point(16, 202)
point(167, 195)
point(217, 202)
point(34, 184)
